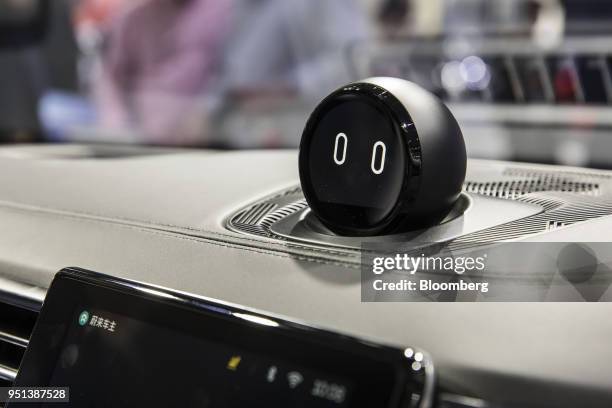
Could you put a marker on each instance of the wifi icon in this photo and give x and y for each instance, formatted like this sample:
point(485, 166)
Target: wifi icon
point(294, 378)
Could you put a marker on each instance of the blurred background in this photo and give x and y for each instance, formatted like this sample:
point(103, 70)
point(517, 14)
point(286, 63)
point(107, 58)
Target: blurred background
point(527, 80)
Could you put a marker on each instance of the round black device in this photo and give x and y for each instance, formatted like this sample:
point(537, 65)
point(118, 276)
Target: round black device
point(380, 155)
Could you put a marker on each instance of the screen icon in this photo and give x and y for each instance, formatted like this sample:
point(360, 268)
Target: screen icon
point(294, 378)
point(83, 318)
point(272, 374)
point(233, 363)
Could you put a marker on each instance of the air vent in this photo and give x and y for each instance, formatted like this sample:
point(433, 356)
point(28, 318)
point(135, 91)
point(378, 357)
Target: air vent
point(17, 318)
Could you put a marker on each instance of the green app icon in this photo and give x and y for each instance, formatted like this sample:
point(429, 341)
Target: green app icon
point(83, 317)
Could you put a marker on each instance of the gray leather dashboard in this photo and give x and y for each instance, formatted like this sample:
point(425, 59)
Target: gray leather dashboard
point(160, 219)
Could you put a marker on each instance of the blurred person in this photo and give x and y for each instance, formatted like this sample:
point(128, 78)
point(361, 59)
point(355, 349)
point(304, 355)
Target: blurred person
point(92, 21)
point(97, 13)
point(28, 74)
point(292, 45)
point(485, 17)
point(161, 56)
point(166, 83)
point(280, 58)
point(548, 26)
point(392, 18)
point(62, 111)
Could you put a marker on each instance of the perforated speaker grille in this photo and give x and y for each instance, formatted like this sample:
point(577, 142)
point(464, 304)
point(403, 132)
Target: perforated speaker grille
point(522, 181)
point(258, 218)
point(559, 211)
point(565, 196)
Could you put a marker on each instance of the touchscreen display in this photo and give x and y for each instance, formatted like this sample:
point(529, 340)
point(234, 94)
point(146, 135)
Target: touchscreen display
point(115, 343)
point(113, 360)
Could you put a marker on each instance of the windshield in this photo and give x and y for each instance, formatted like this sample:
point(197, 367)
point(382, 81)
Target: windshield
point(527, 80)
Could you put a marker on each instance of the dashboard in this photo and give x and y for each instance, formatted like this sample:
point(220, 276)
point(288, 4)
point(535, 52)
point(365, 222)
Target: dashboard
point(164, 220)
point(354, 217)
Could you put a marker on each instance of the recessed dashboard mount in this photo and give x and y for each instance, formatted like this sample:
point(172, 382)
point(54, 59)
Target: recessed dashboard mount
point(117, 342)
point(381, 155)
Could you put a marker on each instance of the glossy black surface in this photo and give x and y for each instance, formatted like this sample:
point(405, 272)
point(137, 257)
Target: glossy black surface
point(381, 156)
point(353, 187)
point(359, 158)
point(169, 349)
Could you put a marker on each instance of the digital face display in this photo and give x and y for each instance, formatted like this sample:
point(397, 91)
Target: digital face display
point(355, 161)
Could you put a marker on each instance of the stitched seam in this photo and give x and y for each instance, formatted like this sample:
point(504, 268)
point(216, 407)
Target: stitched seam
point(199, 240)
point(151, 223)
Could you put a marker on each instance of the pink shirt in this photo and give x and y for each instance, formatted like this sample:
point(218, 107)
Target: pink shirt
point(162, 55)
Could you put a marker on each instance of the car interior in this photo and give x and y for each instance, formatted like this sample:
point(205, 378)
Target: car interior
point(306, 203)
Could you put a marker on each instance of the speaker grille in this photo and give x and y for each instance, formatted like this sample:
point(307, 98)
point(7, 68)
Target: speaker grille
point(558, 211)
point(525, 181)
point(259, 217)
point(565, 196)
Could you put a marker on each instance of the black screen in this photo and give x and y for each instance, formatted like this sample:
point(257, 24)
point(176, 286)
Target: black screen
point(114, 349)
point(356, 162)
point(136, 364)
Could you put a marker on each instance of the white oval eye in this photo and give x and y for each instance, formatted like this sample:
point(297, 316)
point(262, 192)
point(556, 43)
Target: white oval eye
point(344, 139)
point(378, 146)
